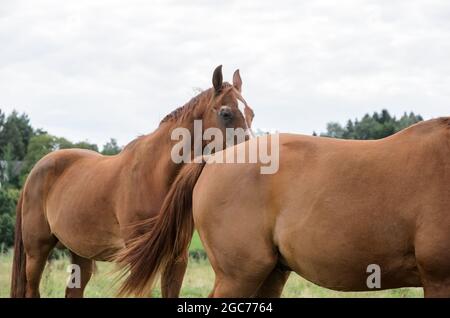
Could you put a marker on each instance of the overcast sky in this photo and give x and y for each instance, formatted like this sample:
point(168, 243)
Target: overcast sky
point(96, 69)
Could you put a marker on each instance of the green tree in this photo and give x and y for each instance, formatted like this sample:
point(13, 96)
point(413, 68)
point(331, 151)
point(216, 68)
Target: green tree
point(2, 121)
point(407, 120)
point(10, 176)
point(375, 126)
point(63, 143)
point(86, 145)
point(111, 148)
point(39, 146)
point(8, 199)
point(17, 131)
point(335, 130)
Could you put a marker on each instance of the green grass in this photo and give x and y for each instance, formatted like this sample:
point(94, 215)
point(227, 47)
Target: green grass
point(198, 282)
point(196, 243)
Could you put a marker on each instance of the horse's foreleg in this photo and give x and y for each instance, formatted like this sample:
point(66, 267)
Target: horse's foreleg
point(172, 277)
point(86, 268)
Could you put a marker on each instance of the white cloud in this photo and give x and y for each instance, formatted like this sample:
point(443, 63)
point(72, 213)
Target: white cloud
point(99, 69)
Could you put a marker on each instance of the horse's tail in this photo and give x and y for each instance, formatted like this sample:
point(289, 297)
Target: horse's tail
point(165, 238)
point(18, 279)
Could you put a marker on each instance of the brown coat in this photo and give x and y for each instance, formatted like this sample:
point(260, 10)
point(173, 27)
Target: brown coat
point(333, 208)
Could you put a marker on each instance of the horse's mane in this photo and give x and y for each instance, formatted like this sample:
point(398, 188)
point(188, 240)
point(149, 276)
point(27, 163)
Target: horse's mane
point(444, 121)
point(181, 112)
point(187, 108)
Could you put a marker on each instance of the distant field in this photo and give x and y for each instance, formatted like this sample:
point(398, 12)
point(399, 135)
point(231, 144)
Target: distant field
point(197, 283)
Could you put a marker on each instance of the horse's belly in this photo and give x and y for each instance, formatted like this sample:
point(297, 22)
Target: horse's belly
point(347, 275)
point(343, 257)
point(93, 242)
point(84, 228)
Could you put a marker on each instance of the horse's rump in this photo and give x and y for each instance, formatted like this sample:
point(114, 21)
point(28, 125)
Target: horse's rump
point(53, 191)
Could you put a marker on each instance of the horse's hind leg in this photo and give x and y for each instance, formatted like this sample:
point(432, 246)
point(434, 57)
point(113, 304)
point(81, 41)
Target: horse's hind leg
point(172, 277)
point(435, 273)
point(86, 268)
point(274, 284)
point(234, 287)
point(433, 257)
point(437, 290)
point(240, 277)
point(36, 259)
point(38, 242)
point(271, 287)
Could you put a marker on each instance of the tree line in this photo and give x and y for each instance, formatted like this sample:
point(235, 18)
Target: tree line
point(21, 146)
point(375, 126)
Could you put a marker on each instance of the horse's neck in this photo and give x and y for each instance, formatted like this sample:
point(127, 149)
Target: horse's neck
point(151, 153)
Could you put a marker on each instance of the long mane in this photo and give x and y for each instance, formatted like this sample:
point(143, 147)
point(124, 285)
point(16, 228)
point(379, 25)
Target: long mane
point(186, 109)
point(181, 112)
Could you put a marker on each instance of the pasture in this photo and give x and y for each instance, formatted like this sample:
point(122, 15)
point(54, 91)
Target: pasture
point(198, 281)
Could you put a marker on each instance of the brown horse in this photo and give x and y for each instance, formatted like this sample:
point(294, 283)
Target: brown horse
point(334, 209)
point(87, 202)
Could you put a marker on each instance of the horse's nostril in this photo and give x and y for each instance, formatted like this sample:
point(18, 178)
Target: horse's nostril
point(225, 114)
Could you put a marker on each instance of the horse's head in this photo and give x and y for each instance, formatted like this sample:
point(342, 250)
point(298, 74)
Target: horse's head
point(227, 108)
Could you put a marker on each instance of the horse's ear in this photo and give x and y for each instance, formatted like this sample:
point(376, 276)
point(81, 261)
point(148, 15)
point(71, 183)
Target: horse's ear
point(237, 81)
point(217, 79)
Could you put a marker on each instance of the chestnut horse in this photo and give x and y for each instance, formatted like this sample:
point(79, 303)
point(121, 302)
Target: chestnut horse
point(87, 202)
point(333, 210)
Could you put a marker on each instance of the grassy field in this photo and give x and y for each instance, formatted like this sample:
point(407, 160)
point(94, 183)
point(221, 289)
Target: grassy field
point(198, 281)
